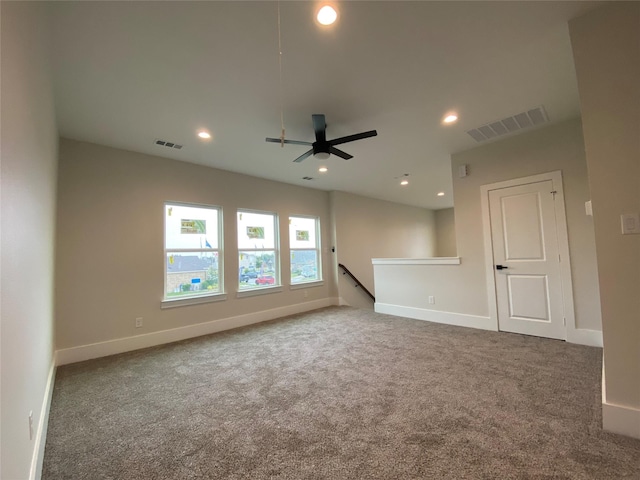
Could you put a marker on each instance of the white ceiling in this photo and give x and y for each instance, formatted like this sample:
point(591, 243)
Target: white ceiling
point(128, 73)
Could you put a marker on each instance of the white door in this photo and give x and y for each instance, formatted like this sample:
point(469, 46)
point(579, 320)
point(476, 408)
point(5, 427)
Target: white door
point(526, 260)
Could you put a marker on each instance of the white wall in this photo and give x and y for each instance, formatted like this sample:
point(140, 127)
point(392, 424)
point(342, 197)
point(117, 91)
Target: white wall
point(28, 184)
point(606, 46)
point(446, 233)
point(110, 241)
point(366, 228)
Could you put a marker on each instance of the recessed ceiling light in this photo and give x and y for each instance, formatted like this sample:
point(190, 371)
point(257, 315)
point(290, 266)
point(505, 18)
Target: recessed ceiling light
point(404, 182)
point(441, 194)
point(450, 118)
point(327, 15)
point(204, 134)
point(323, 169)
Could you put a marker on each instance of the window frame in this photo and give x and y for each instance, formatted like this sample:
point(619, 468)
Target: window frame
point(277, 285)
point(195, 298)
point(318, 248)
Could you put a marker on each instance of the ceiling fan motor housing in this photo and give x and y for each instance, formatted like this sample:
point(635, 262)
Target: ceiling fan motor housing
point(321, 150)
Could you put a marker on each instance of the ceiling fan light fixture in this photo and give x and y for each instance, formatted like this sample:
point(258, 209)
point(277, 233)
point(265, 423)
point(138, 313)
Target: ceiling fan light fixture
point(322, 155)
point(327, 15)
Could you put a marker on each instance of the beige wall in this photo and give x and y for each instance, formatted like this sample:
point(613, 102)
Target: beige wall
point(445, 233)
point(557, 147)
point(110, 240)
point(462, 289)
point(606, 46)
point(28, 172)
point(366, 228)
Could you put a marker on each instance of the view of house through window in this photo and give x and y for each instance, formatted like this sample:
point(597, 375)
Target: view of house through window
point(258, 259)
point(304, 242)
point(192, 250)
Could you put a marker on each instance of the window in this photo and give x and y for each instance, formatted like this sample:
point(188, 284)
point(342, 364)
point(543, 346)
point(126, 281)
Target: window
point(304, 242)
point(192, 249)
point(258, 258)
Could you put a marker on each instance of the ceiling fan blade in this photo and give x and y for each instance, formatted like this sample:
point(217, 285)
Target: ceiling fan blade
point(303, 156)
point(320, 127)
point(294, 142)
point(340, 153)
point(351, 138)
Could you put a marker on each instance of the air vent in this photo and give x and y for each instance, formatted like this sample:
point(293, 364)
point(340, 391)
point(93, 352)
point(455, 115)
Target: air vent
point(531, 118)
point(164, 143)
point(307, 178)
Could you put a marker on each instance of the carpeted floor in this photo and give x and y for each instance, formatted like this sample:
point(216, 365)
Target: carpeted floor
point(338, 393)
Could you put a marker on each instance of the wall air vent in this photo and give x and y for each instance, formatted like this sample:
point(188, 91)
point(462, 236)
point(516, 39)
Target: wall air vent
point(520, 121)
point(164, 143)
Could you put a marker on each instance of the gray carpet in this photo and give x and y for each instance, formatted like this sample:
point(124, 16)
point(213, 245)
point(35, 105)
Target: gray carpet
point(338, 393)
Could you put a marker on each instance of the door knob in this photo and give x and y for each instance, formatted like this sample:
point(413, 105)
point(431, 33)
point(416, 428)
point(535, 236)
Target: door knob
point(501, 267)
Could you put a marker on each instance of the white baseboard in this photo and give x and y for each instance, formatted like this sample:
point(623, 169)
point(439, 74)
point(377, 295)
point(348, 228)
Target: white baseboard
point(617, 418)
point(621, 420)
point(127, 344)
point(342, 302)
point(582, 336)
point(449, 318)
point(37, 459)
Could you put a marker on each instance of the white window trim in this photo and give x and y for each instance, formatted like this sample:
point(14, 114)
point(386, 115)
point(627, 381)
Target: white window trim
point(252, 292)
point(318, 248)
point(195, 300)
point(309, 284)
point(168, 302)
point(275, 250)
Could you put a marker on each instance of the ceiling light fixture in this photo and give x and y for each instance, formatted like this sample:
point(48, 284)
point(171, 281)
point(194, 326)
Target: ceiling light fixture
point(327, 15)
point(323, 169)
point(404, 178)
point(450, 118)
point(441, 194)
point(204, 134)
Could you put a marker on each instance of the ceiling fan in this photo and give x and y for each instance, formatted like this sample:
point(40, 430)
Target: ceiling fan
point(322, 147)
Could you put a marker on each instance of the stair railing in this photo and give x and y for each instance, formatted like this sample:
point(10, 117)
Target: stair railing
point(345, 271)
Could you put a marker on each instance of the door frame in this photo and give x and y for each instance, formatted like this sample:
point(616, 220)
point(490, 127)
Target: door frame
point(563, 247)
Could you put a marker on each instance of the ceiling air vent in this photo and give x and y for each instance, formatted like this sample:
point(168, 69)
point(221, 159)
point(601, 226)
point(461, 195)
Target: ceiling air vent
point(164, 143)
point(520, 121)
point(307, 178)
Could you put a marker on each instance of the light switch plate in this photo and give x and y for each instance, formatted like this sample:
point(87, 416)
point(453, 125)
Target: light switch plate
point(588, 208)
point(630, 223)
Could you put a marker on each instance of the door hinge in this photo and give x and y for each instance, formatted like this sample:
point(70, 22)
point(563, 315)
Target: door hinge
point(559, 259)
point(564, 321)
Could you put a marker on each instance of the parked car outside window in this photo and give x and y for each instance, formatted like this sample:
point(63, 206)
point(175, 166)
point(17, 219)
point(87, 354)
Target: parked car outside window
point(265, 280)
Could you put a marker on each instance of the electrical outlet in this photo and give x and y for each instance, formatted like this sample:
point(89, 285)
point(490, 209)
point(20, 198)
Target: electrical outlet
point(139, 322)
point(432, 299)
point(30, 424)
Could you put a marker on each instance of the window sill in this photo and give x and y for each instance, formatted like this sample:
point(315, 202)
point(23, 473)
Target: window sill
point(259, 291)
point(184, 302)
point(310, 284)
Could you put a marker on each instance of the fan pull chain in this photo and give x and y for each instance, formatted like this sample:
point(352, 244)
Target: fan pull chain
point(281, 89)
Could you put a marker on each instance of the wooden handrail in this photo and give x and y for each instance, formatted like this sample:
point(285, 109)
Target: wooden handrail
point(358, 283)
